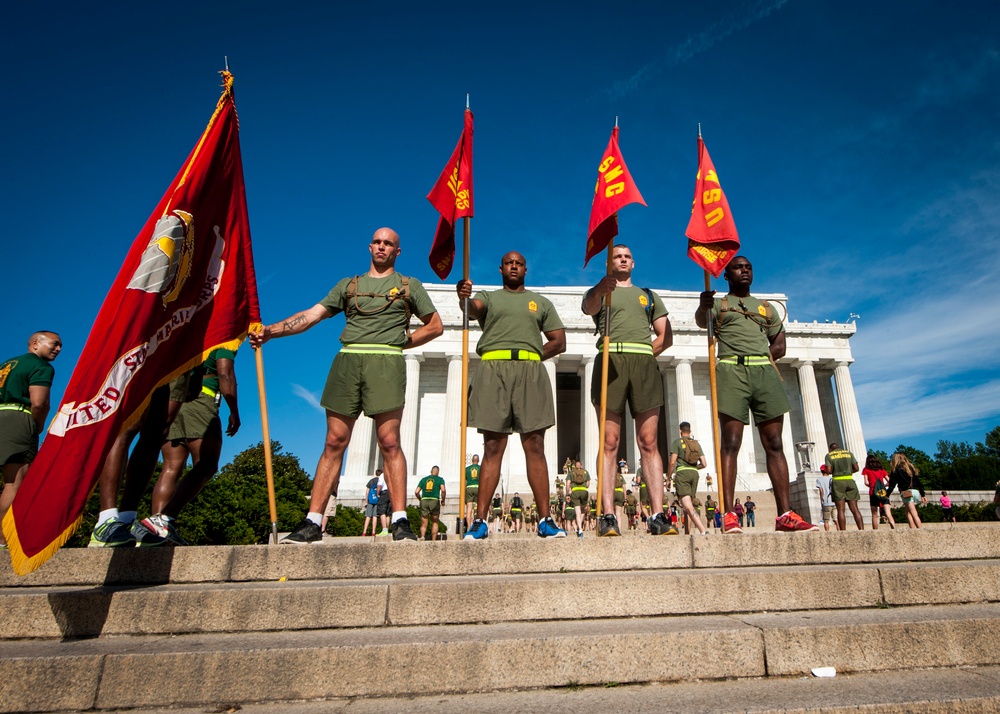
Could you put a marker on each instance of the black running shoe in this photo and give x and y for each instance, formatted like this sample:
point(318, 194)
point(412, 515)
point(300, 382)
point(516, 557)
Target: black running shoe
point(401, 530)
point(608, 526)
point(307, 532)
point(659, 525)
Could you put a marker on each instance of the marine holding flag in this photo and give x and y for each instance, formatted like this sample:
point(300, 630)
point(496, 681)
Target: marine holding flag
point(186, 287)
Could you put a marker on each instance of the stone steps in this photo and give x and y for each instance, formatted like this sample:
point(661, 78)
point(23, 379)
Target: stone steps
point(199, 669)
point(956, 690)
point(155, 628)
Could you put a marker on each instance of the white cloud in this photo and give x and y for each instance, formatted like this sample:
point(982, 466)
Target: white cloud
point(308, 397)
point(693, 45)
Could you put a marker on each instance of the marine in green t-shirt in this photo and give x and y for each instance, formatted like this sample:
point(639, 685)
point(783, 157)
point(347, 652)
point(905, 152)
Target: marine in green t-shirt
point(510, 392)
point(471, 489)
point(639, 330)
point(25, 383)
point(751, 337)
point(431, 492)
point(368, 374)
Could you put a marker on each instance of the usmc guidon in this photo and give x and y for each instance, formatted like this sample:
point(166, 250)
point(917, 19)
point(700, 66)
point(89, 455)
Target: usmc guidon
point(367, 375)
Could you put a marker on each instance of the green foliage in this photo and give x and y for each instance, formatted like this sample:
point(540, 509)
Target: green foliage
point(964, 513)
point(348, 522)
point(232, 509)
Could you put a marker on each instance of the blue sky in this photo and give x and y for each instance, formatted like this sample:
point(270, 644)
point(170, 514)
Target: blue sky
point(857, 143)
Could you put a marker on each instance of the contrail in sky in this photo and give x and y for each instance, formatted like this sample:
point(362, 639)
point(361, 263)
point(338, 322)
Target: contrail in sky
point(307, 396)
point(695, 44)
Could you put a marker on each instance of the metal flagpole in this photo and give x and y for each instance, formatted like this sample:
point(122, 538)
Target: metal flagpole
point(465, 375)
point(265, 426)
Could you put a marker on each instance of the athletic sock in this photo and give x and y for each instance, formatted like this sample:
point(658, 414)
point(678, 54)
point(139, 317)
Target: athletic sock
point(127, 516)
point(108, 515)
point(316, 518)
point(396, 515)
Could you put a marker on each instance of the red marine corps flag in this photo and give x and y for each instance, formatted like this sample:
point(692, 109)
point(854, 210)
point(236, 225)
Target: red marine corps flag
point(186, 287)
point(615, 189)
point(711, 232)
point(452, 197)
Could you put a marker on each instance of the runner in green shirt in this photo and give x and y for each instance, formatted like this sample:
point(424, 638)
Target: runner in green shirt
point(195, 431)
point(510, 392)
point(431, 492)
point(686, 457)
point(751, 338)
point(639, 331)
point(25, 382)
point(471, 489)
point(368, 374)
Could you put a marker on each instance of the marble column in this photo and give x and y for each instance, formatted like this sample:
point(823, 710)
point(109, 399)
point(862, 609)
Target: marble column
point(552, 433)
point(685, 396)
point(588, 419)
point(359, 451)
point(812, 412)
point(452, 423)
point(850, 419)
point(411, 411)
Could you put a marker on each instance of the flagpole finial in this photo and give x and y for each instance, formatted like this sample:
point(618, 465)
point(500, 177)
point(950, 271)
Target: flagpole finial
point(699, 130)
point(226, 57)
point(466, 100)
point(616, 121)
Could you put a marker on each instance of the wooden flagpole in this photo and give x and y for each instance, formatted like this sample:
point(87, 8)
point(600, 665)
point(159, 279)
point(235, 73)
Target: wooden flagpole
point(465, 374)
point(716, 438)
point(602, 417)
point(265, 426)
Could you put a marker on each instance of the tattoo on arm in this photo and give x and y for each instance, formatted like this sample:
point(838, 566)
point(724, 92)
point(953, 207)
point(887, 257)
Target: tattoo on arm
point(293, 322)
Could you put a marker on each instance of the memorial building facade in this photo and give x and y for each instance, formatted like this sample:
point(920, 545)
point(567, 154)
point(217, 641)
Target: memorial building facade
point(815, 371)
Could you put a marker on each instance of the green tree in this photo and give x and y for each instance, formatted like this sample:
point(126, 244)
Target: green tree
point(991, 447)
point(232, 509)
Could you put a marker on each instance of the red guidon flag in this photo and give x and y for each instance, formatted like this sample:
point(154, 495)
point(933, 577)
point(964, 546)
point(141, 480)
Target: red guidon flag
point(615, 189)
point(452, 197)
point(711, 232)
point(186, 287)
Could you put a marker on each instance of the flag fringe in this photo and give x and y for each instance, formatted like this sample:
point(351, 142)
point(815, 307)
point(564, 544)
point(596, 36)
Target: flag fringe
point(227, 95)
point(24, 564)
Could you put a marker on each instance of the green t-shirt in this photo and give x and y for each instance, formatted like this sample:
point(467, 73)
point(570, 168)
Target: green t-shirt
point(679, 448)
point(839, 463)
point(709, 505)
point(517, 503)
point(472, 475)
point(430, 487)
point(515, 320)
point(19, 373)
point(497, 502)
point(211, 378)
point(387, 327)
point(578, 479)
point(746, 334)
point(629, 318)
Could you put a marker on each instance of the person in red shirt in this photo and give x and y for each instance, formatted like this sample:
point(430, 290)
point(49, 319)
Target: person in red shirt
point(876, 478)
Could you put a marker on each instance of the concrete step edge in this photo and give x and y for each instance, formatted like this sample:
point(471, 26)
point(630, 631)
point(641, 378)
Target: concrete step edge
point(62, 612)
point(144, 671)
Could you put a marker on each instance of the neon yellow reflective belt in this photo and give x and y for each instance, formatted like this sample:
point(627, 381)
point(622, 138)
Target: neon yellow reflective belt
point(15, 408)
point(579, 488)
point(631, 348)
point(842, 478)
point(751, 360)
point(209, 392)
point(512, 355)
point(366, 349)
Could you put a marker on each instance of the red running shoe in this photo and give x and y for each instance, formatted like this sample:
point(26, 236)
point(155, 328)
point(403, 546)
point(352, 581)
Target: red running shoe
point(791, 522)
point(731, 524)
